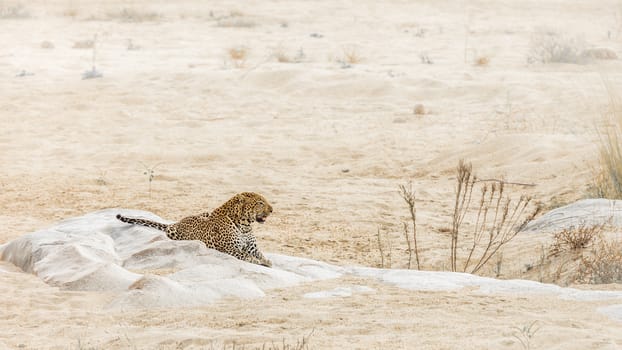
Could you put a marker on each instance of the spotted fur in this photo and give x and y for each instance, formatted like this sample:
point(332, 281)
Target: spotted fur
point(227, 229)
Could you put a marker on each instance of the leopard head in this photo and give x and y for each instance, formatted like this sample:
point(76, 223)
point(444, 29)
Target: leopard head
point(250, 206)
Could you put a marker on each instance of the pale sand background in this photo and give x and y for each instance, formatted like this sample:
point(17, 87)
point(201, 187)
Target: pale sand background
point(289, 130)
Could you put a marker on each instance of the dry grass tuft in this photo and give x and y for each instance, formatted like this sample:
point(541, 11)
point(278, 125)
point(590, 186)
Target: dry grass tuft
point(351, 55)
point(235, 19)
point(603, 265)
point(238, 55)
point(281, 56)
point(481, 61)
point(133, 16)
point(13, 12)
point(47, 45)
point(70, 12)
point(607, 179)
point(551, 47)
point(600, 54)
point(84, 44)
point(419, 109)
point(575, 238)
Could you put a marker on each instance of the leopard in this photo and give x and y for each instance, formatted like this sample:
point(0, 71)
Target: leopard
point(227, 229)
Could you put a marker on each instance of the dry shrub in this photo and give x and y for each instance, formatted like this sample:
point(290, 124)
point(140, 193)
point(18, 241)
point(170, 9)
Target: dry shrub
point(235, 20)
point(603, 265)
point(498, 218)
point(351, 55)
point(607, 179)
point(238, 56)
point(47, 45)
point(70, 12)
point(134, 16)
point(551, 47)
point(236, 23)
point(13, 12)
point(481, 61)
point(84, 44)
point(575, 238)
point(419, 109)
point(282, 57)
point(600, 54)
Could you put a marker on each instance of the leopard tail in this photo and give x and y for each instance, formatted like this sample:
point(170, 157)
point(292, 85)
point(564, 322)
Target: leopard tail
point(144, 222)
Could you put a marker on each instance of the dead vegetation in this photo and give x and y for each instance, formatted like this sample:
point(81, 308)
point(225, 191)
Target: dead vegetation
point(351, 55)
point(408, 194)
point(481, 61)
point(235, 19)
point(131, 15)
point(607, 179)
point(282, 56)
point(551, 47)
point(84, 44)
point(601, 265)
point(493, 221)
point(238, 56)
point(575, 238)
point(498, 218)
point(47, 45)
point(419, 109)
point(579, 254)
point(13, 12)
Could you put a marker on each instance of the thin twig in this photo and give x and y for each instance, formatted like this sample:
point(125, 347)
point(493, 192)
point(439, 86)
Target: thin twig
point(508, 182)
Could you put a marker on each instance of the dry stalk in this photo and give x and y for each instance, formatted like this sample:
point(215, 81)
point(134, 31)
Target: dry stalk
point(504, 230)
point(408, 194)
point(464, 190)
point(497, 219)
point(380, 249)
point(410, 252)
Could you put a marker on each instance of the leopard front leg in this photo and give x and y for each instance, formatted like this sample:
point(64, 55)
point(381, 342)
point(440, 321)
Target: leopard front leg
point(251, 248)
point(245, 256)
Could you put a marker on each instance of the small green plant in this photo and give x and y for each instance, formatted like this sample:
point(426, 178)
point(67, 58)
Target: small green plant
point(526, 333)
point(150, 172)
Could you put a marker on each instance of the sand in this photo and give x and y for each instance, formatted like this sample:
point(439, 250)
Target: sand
point(326, 141)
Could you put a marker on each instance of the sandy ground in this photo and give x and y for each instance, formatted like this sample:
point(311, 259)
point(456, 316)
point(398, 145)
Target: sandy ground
point(326, 142)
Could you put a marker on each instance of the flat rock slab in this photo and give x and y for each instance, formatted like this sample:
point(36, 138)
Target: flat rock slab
point(142, 268)
point(584, 212)
point(97, 252)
